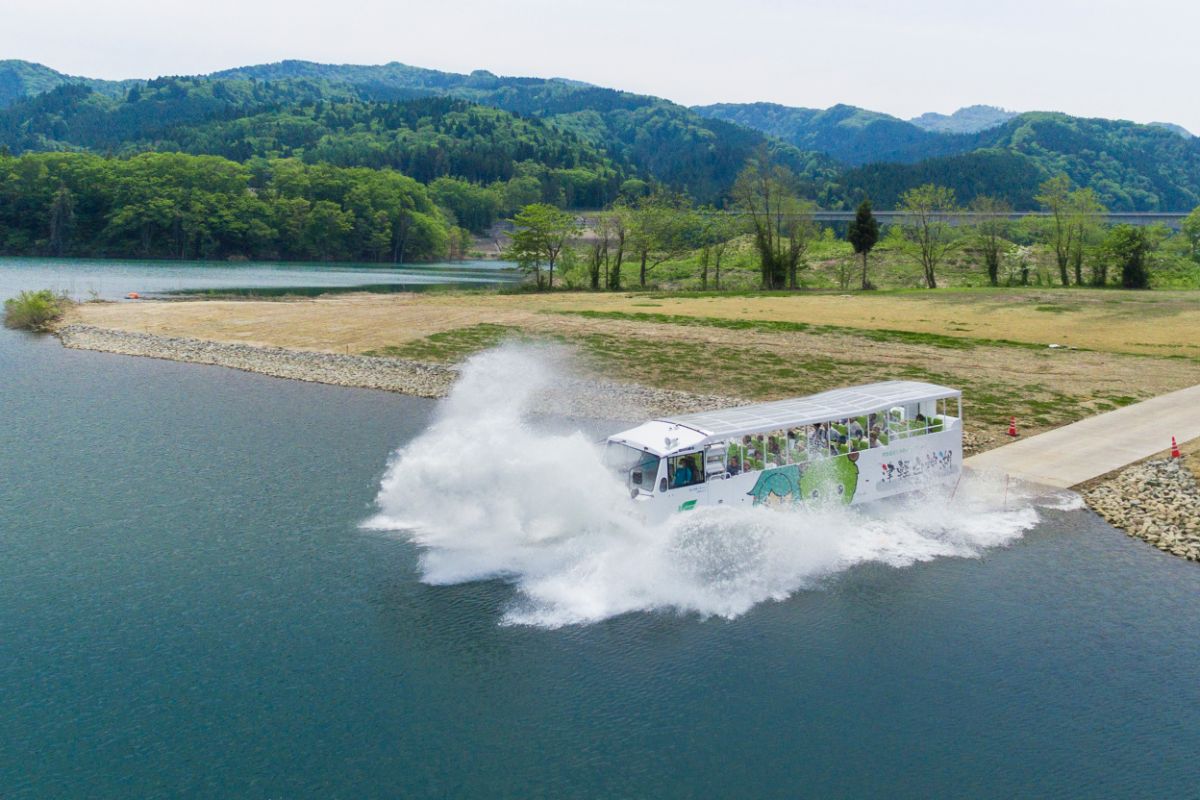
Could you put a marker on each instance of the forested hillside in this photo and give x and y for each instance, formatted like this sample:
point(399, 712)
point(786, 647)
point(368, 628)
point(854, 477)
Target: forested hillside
point(20, 79)
point(170, 205)
point(1131, 167)
point(484, 145)
point(852, 136)
point(581, 140)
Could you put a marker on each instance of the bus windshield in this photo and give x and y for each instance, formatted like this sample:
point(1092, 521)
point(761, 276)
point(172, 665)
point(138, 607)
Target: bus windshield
point(636, 467)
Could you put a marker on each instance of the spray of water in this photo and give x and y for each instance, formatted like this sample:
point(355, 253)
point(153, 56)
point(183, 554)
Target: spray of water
point(485, 494)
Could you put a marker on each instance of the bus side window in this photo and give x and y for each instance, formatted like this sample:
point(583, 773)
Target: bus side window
point(685, 470)
point(734, 458)
point(714, 462)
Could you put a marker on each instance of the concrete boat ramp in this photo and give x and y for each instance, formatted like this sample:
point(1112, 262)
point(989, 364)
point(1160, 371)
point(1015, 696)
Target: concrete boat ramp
point(1081, 451)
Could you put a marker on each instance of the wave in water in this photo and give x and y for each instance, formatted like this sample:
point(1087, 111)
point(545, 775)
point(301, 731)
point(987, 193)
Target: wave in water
point(485, 494)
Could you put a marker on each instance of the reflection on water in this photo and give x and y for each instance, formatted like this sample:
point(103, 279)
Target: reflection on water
point(114, 279)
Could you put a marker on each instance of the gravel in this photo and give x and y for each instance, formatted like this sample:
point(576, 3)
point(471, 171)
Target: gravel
point(577, 397)
point(1156, 501)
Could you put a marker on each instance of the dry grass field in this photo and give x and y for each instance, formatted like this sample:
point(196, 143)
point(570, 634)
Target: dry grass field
point(1117, 347)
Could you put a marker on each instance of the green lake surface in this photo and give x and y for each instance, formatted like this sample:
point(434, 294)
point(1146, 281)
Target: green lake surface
point(191, 607)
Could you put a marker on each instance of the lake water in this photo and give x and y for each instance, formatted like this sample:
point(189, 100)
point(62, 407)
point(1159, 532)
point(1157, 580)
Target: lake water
point(191, 606)
point(113, 279)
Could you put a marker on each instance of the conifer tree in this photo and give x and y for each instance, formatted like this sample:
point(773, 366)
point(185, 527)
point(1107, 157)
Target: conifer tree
point(863, 234)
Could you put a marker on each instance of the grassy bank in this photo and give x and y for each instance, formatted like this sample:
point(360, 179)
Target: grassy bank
point(1123, 346)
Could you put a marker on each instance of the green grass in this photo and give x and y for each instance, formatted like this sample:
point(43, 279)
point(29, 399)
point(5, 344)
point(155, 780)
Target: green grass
point(34, 311)
point(450, 346)
point(871, 334)
point(750, 373)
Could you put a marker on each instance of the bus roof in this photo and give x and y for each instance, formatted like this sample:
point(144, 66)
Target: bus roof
point(854, 401)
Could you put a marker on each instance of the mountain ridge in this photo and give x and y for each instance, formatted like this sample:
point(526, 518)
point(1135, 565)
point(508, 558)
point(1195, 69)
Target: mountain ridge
point(313, 111)
point(968, 119)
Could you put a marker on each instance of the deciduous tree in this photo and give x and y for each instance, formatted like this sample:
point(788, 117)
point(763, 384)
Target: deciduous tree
point(991, 216)
point(1055, 197)
point(1129, 247)
point(781, 223)
point(662, 228)
point(716, 230)
point(1086, 215)
point(928, 211)
point(1191, 229)
point(542, 232)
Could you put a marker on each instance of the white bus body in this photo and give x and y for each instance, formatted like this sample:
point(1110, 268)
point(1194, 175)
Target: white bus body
point(855, 445)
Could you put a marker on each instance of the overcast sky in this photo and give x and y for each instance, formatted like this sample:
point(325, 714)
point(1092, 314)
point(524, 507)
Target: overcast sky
point(1129, 60)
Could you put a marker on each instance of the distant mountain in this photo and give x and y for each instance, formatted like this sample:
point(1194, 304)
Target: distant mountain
point(19, 79)
point(371, 116)
point(652, 138)
point(848, 134)
point(1132, 167)
point(1173, 128)
point(971, 119)
point(583, 142)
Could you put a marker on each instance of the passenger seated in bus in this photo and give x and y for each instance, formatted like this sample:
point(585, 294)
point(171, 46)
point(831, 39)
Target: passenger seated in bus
point(874, 438)
point(749, 443)
point(685, 473)
point(797, 444)
point(855, 429)
point(820, 437)
point(735, 466)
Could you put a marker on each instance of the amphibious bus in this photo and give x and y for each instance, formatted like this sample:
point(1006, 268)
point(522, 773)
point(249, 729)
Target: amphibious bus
point(850, 446)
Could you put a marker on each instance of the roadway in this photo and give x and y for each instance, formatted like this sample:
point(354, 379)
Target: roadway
point(1081, 451)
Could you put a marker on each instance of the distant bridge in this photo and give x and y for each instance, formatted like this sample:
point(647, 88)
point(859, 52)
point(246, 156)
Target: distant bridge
point(1172, 219)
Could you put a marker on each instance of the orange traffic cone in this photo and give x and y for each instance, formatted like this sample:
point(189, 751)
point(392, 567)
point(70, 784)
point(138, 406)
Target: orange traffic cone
point(1174, 449)
point(1012, 426)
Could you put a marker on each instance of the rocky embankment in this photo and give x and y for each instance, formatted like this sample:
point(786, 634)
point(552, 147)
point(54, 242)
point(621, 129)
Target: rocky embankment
point(1157, 501)
point(571, 396)
point(977, 442)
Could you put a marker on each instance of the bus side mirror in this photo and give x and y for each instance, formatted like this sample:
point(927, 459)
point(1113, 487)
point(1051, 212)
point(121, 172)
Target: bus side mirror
point(662, 485)
point(636, 477)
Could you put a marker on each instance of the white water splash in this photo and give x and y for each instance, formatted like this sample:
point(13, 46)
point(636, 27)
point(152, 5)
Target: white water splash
point(486, 495)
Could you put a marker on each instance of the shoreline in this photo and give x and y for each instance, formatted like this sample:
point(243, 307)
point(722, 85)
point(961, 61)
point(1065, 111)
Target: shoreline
point(1157, 501)
point(574, 396)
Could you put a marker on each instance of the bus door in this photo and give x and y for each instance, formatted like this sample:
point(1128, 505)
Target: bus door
point(685, 481)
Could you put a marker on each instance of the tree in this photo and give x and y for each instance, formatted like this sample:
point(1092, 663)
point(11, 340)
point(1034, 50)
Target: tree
point(1191, 230)
point(1016, 260)
point(615, 224)
point(62, 221)
point(991, 228)
point(781, 223)
point(1085, 214)
point(926, 225)
point(597, 256)
point(862, 235)
point(662, 228)
point(716, 229)
point(325, 228)
point(1055, 197)
point(1129, 247)
point(542, 231)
